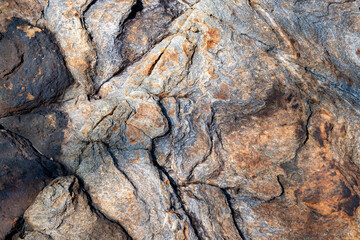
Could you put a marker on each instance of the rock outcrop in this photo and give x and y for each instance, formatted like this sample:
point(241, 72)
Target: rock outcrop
point(180, 119)
point(32, 69)
point(24, 173)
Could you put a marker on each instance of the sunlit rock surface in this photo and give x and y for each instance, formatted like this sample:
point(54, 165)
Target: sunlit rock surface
point(179, 119)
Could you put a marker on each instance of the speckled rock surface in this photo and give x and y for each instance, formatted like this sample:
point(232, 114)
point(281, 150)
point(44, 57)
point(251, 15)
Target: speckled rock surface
point(193, 119)
point(32, 70)
point(61, 211)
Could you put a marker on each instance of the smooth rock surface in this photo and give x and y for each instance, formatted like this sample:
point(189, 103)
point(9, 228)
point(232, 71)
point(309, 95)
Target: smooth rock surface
point(32, 70)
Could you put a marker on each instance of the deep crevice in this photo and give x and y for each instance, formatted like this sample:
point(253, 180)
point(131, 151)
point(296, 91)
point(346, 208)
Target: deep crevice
point(18, 229)
point(115, 160)
point(154, 64)
point(137, 7)
point(162, 170)
point(228, 198)
point(174, 187)
point(164, 9)
point(97, 211)
point(306, 128)
point(88, 7)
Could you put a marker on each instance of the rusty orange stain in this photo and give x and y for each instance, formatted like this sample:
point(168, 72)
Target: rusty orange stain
point(30, 97)
point(169, 56)
point(133, 134)
point(213, 38)
point(69, 3)
point(10, 87)
point(30, 31)
point(223, 91)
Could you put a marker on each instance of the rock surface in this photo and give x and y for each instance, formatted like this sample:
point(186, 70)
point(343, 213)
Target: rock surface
point(32, 70)
point(23, 174)
point(187, 119)
point(62, 211)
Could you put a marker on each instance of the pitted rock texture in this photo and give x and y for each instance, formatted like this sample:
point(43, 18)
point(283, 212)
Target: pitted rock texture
point(190, 119)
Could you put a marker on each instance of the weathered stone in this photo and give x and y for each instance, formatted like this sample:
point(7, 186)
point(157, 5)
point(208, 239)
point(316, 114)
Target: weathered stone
point(23, 174)
point(209, 211)
point(30, 10)
point(104, 20)
point(114, 181)
point(46, 132)
point(127, 123)
point(64, 18)
point(61, 211)
point(32, 70)
point(317, 192)
point(210, 119)
point(35, 236)
point(147, 25)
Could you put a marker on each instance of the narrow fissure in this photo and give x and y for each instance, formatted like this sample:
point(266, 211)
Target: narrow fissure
point(228, 198)
point(163, 170)
point(97, 211)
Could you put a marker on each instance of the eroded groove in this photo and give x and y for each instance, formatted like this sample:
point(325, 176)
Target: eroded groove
point(228, 198)
point(96, 210)
point(306, 137)
point(105, 116)
point(162, 170)
point(17, 230)
point(16, 67)
point(175, 189)
point(154, 63)
point(84, 11)
point(135, 9)
point(115, 161)
point(21, 142)
point(130, 47)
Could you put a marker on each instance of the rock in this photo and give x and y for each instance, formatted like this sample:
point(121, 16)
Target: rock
point(30, 10)
point(104, 20)
point(61, 211)
point(23, 174)
point(316, 182)
point(147, 25)
point(127, 123)
point(32, 69)
point(209, 211)
point(47, 129)
point(64, 18)
point(35, 236)
point(201, 119)
point(140, 207)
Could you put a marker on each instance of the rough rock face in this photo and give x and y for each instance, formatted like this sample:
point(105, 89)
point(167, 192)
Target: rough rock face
point(61, 211)
point(201, 119)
